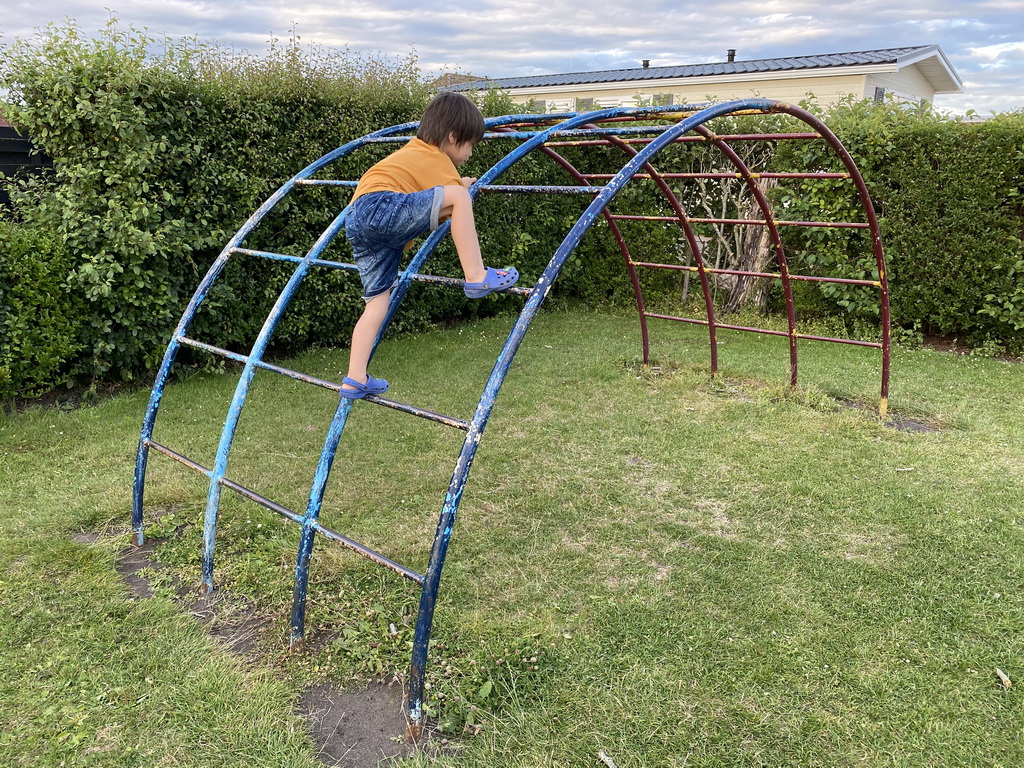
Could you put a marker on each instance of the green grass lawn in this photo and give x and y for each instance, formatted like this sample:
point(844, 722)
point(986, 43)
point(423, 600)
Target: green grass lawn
point(679, 570)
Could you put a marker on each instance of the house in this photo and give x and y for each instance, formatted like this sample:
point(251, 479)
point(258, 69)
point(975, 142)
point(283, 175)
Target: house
point(911, 74)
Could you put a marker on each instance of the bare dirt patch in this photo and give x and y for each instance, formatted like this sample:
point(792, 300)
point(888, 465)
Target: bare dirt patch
point(351, 728)
point(357, 729)
point(908, 424)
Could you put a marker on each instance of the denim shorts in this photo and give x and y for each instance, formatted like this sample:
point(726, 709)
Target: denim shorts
point(380, 224)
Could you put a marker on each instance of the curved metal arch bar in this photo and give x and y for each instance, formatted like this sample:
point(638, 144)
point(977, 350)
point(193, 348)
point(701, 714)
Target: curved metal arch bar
point(187, 317)
point(453, 497)
point(620, 240)
point(698, 256)
point(624, 248)
point(533, 142)
point(336, 429)
point(773, 231)
point(876, 237)
point(338, 422)
point(825, 133)
point(219, 468)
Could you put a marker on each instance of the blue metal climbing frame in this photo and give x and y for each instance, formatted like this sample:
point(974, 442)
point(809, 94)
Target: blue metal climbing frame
point(530, 133)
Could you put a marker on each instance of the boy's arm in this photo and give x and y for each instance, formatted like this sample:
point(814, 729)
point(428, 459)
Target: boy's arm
point(468, 181)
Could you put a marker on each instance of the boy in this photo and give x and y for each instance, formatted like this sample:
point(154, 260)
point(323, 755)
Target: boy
point(403, 196)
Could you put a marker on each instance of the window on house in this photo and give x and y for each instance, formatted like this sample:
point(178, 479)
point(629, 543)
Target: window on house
point(584, 105)
point(879, 95)
point(663, 100)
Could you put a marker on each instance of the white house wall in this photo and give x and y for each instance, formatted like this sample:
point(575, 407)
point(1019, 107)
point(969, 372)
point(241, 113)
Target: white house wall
point(907, 84)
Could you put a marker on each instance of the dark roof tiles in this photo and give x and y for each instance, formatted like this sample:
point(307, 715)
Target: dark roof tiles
point(882, 56)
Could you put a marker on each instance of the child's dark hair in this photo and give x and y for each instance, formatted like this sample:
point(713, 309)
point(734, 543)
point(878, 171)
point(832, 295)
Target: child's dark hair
point(451, 113)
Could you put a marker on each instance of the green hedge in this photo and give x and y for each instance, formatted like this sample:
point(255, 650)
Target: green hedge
point(159, 159)
point(948, 195)
point(40, 319)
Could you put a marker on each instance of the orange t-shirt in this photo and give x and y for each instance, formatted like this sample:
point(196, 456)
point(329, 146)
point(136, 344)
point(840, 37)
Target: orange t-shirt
point(413, 168)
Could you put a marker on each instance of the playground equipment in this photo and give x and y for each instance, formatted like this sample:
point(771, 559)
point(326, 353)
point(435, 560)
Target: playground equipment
point(662, 128)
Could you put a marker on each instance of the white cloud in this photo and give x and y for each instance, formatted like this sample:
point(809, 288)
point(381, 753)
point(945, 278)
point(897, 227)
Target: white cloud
point(498, 39)
point(996, 52)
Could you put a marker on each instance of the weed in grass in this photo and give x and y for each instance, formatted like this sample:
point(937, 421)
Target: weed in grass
point(471, 683)
point(655, 369)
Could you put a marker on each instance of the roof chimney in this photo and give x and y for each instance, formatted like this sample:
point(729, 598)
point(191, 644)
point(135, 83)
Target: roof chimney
point(646, 63)
point(730, 55)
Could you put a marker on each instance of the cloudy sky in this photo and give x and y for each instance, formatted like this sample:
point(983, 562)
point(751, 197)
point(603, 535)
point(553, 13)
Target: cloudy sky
point(983, 39)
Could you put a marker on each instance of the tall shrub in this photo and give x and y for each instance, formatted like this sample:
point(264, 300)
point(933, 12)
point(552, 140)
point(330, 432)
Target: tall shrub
point(40, 318)
point(158, 158)
point(948, 196)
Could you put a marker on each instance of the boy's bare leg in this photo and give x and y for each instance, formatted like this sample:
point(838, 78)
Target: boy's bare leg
point(459, 205)
point(363, 336)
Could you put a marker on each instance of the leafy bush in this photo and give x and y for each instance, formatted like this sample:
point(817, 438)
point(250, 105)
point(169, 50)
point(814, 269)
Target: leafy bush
point(948, 196)
point(158, 159)
point(39, 318)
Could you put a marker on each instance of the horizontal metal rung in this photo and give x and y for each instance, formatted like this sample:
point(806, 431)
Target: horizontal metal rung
point(518, 290)
point(725, 175)
point(331, 385)
point(744, 273)
point(248, 493)
point(324, 183)
point(238, 488)
point(755, 222)
point(421, 412)
point(212, 349)
point(334, 387)
point(690, 139)
point(541, 189)
point(263, 501)
point(176, 456)
point(295, 259)
point(267, 254)
point(368, 553)
point(804, 336)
